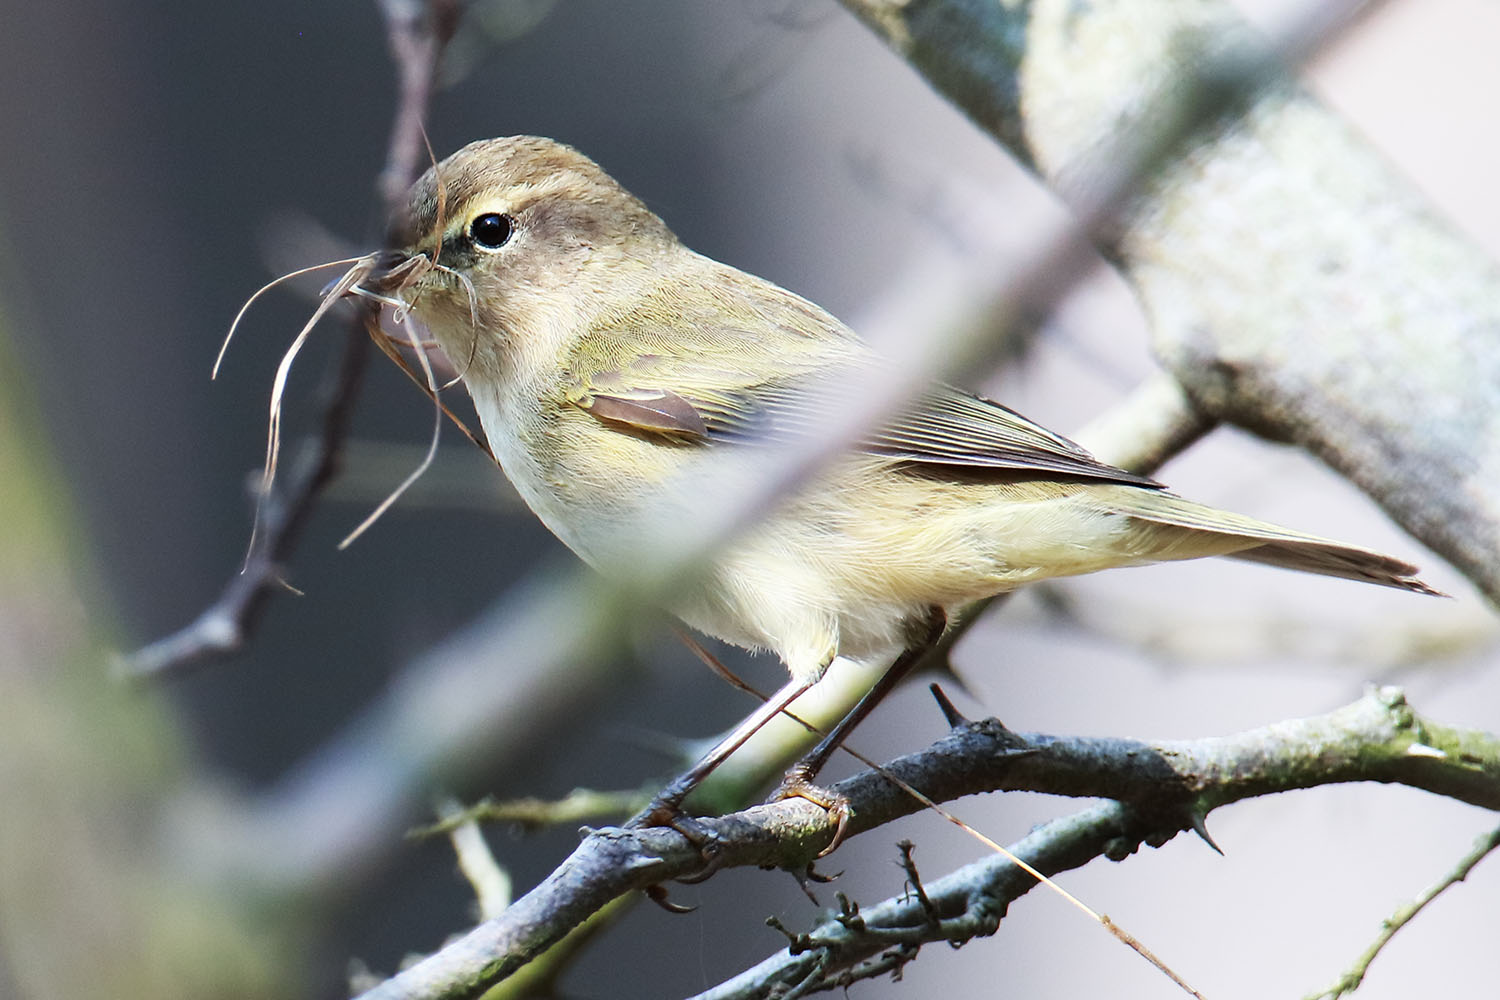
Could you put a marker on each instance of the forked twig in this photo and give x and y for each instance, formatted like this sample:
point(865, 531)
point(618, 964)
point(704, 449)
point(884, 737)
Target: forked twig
point(418, 33)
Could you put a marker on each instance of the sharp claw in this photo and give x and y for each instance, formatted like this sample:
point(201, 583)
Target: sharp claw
point(702, 838)
point(658, 895)
point(797, 785)
point(713, 859)
point(839, 813)
point(813, 875)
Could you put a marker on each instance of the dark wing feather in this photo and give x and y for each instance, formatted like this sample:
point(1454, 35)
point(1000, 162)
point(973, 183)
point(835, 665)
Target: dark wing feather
point(659, 411)
point(947, 427)
point(951, 427)
point(677, 370)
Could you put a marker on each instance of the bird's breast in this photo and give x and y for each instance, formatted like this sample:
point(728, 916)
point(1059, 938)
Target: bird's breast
point(592, 486)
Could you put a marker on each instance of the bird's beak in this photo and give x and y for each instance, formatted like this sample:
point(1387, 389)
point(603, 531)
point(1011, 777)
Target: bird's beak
point(393, 270)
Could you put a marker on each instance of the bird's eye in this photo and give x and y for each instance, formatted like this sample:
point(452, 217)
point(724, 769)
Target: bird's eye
point(491, 230)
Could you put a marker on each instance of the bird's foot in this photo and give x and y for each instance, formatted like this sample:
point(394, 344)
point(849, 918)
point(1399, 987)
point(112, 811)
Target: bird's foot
point(798, 783)
point(666, 810)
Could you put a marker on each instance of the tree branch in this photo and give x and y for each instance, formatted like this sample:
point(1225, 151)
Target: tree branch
point(1168, 786)
point(966, 904)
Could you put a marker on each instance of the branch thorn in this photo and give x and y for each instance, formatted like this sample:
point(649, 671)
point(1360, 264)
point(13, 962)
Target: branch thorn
point(951, 714)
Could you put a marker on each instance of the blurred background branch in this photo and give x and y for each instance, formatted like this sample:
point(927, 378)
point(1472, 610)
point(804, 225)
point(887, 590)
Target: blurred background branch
point(92, 897)
point(1295, 284)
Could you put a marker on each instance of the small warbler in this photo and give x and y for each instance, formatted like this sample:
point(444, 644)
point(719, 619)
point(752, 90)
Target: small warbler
point(607, 360)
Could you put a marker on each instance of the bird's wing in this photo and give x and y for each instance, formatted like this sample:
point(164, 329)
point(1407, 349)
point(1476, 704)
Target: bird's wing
point(690, 397)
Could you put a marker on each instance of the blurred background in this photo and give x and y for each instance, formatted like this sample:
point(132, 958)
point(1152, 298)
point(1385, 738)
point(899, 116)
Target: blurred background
point(164, 159)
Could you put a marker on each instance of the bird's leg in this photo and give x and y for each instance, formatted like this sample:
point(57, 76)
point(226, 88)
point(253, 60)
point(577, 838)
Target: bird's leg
point(798, 781)
point(665, 808)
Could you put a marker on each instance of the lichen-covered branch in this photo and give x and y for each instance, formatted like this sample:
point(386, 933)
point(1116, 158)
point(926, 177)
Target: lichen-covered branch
point(1165, 787)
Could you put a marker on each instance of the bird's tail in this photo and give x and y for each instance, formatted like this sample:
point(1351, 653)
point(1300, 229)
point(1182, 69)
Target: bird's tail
point(1214, 531)
point(1334, 559)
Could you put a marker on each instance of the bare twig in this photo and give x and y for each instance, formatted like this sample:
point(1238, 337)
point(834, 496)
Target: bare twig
point(223, 627)
point(490, 882)
point(1349, 981)
point(909, 865)
point(417, 32)
point(578, 806)
point(970, 902)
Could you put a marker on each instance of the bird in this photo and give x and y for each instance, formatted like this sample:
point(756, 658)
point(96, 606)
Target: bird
point(606, 361)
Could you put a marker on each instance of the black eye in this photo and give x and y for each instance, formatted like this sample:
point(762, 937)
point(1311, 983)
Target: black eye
point(491, 230)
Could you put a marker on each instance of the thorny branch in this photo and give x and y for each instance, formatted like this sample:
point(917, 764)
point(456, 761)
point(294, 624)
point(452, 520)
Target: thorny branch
point(966, 904)
point(1160, 788)
point(417, 32)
